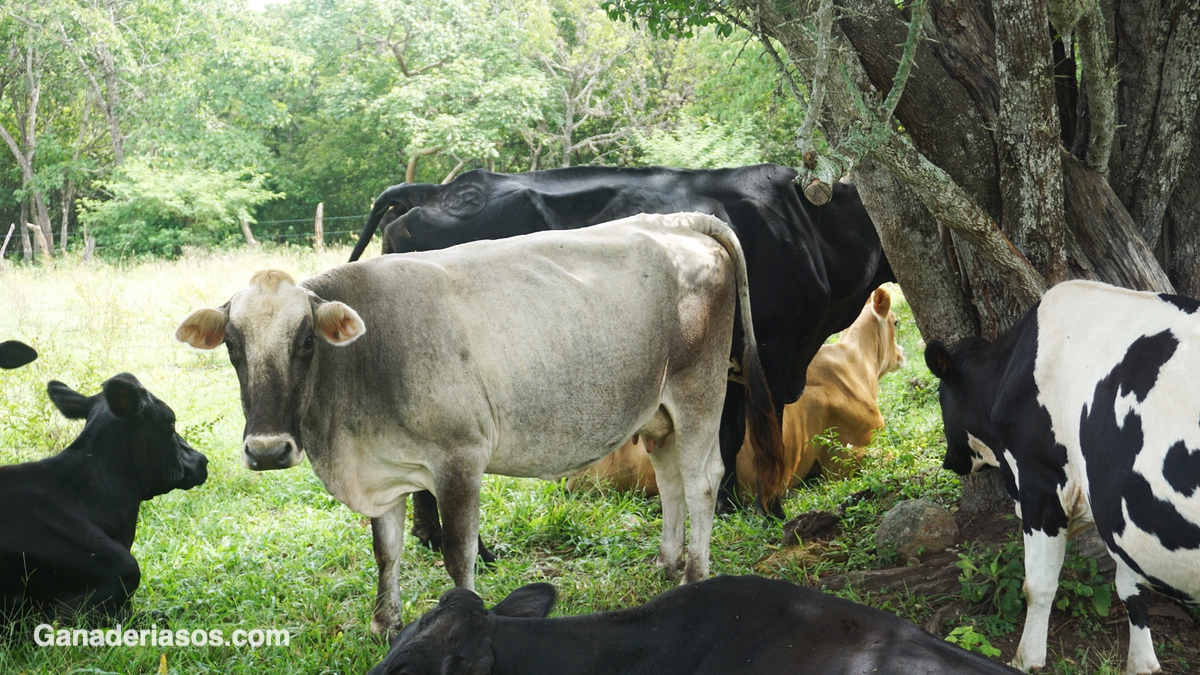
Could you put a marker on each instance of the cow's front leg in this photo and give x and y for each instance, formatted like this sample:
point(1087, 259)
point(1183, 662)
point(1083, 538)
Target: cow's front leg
point(1043, 561)
point(387, 540)
point(1141, 659)
point(458, 497)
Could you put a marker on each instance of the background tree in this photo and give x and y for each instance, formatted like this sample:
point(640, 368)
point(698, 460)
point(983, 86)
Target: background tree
point(990, 168)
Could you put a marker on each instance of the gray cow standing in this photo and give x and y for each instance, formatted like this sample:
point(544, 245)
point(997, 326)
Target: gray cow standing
point(529, 356)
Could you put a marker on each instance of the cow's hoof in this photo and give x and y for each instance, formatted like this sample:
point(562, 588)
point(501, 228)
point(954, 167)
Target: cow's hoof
point(386, 631)
point(671, 569)
point(691, 576)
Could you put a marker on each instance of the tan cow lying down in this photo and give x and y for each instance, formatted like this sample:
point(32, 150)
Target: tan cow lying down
point(843, 384)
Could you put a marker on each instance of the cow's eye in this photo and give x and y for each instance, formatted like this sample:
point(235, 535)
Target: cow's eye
point(308, 342)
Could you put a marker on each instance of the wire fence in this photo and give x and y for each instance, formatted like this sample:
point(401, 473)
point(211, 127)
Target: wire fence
point(15, 247)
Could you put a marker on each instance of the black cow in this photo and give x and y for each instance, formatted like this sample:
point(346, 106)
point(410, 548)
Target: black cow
point(69, 520)
point(15, 354)
point(811, 268)
point(1089, 407)
point(746, 625)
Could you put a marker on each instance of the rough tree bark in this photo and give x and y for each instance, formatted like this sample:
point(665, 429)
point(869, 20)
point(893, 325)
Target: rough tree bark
point(980, 147)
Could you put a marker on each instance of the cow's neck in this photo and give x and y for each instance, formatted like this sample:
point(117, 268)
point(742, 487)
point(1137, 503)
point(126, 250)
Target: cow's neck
point(109, 495)
point(580, 645)
point(870, 347)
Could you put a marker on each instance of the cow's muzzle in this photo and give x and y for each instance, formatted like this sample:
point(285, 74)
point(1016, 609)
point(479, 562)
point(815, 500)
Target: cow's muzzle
point(277, 451)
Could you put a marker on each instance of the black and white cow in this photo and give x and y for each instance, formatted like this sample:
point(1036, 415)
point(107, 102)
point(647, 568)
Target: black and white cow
point(745, 625)
point(15, 354)
point(529, 356)
point(67, 522)
point(1090, 408)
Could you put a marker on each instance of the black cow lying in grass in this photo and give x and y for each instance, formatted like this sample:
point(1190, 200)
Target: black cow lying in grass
point(67, 522)
point(744, 625)
point(15, 354)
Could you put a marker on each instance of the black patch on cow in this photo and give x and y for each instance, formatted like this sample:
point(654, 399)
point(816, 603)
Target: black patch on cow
point(1138, 608)
point(1184, 303)
point(1110, 449)
point(1024, 430)
point(1181, 468)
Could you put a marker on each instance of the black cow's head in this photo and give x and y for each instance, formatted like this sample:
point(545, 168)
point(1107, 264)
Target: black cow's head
point(970, 435)
point(271, 330)
point(455, 637)
point(15, 354)
point(133, 431)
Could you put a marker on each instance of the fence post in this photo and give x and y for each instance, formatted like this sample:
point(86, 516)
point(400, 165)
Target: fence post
point(247, 233)
point(319, 229)
point(8, 236)
point(47, 253)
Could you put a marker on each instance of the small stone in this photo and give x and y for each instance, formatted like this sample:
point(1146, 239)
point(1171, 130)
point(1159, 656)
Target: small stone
point(916, 526)
point(914, 560)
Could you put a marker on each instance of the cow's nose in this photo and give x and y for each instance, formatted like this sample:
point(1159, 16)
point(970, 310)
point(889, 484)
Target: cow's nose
point(263, 453)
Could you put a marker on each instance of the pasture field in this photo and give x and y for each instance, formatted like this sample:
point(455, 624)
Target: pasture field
point(274, 551)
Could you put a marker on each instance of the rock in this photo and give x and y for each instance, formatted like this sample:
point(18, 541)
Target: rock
point(917, 526)
point(811, 526)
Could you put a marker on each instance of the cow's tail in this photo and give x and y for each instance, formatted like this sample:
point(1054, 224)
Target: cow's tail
point(762, 424)
point(383, 202)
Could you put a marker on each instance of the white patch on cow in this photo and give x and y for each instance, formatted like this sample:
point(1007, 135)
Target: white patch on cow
point(1179, 568)
point(1043, 561)
point(1011, 461)
point(983, 455)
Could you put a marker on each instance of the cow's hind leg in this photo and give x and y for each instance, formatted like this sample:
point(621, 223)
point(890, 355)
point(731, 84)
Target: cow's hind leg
point(733, 432)
point(427, 525)
point(387, 540)
point(665, 460)
point(1043, 561)
point(701, 478)
point(1141, 659)
point(458, 493)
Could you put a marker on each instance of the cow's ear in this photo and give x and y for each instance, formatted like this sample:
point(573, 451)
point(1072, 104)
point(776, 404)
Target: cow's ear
point(337, 323)
point(72, 404)
point(882, 302)
point(938, 358)
point(15, 354)
point(125, 395)
point(527, 602)
point(204, 328)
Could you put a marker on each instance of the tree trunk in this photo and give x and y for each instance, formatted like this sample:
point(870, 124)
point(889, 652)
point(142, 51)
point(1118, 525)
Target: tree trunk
point(1181, 227)
point(913, 244)
point(989, 146)
point(1027, 136)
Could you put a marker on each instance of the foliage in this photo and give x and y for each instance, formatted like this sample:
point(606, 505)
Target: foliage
point(967, 638)
point(158, 211)
point(700, 144)
point(995, 577)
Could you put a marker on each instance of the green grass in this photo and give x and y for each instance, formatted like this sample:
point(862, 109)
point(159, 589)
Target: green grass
point(274, 550)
